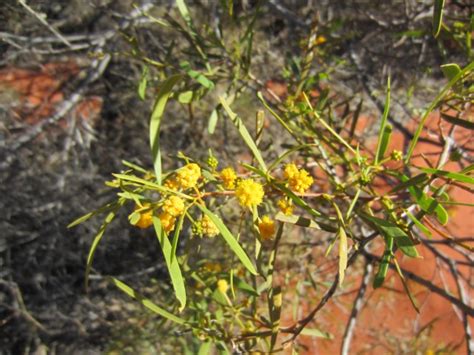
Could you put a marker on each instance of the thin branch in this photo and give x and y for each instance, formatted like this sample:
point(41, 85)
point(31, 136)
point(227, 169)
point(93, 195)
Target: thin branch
point(357, 305)
point(429, 285)
point(44, 22)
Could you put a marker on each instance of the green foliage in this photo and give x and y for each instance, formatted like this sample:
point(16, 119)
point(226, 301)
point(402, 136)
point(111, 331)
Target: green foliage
point(231, 297)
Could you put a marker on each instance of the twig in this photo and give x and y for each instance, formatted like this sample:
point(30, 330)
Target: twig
point(429, 285)
point(44, 22)
point(357, 305)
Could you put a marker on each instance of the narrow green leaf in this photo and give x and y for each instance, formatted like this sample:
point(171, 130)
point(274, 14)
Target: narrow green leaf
point(458, 121)
point(405, 286)
point(383, 133)
point(146, 302)
point(342, 254)
point(134, 167)
point(384, 263)
point(176, 234)
point(244, 133)
point(450, 175)
point(420, 225)
point(316, 333)
point(417, 180)
point(245, 287)
point(205, 348)
point(95, 243)
point(437, 16)
point(391, 230)
point(108, 207)
point(297, 220)
point(211, 126)
point(171, 263)
point(164, 92)
point(183, 10)
point(274, 114)
point(387, 132)
point(230, 240)
point(143, 83)
point(432, 106)
point(450, 70)
point(185, 97)
point(199, 77)
point(429, 204)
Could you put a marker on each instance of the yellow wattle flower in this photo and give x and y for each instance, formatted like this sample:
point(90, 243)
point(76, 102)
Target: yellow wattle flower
point(222, 286)
point(173, 206)
point(188, 175)
point(249, 193)
point(301, 182)
point(285, 206)
point(228, 177)
point(146, 217)
point(266, 228)
point(167, 221)
point(171, 184)
point(290, 171)
point(208, 227)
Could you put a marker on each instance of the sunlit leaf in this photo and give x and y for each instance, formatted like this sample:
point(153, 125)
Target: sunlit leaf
point(171, 263)
point(164, 92)
point(146, 302)
point(391, 230)
point(230, 240)
point(244, 133)
point(437, 16)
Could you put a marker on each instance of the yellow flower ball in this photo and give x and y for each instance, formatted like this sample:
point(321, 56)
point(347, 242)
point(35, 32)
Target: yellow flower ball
point(167, 221)
point(208, 227)
point(285, 206)
point(173, 206)
point(266, 228)
point(228, 177)
point(222, 286)
point(188, 175)
point(145, 220)
point(171, 184)
point(249, 193)
point(301, 181)
point(290, 171)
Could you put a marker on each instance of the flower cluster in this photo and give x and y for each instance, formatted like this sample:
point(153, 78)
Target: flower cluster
point(228, 177)
point(208, 227)
point(249, 193)
point(146, 217)
point(266, 227)
point(285, 206)
point(188, 175)
point(298, 179)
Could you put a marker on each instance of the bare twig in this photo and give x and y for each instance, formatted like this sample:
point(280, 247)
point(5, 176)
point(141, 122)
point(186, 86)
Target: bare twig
point(357, 305)
point(44, 22)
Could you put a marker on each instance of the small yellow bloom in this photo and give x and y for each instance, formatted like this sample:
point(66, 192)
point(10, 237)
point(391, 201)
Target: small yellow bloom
point(320, 40)
point(396, 155)
point(249, 193)
point(188, 175)
point(208, 227)
point(228, 177)
point(285, 206)
point(145, 220)
point(213, 267)
point(146, 216)
point(174, 206)
point(222, 286)
point(290, 171)
point(301, 181)
point(171, 184)
point(266, 228)
point(167, 221)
